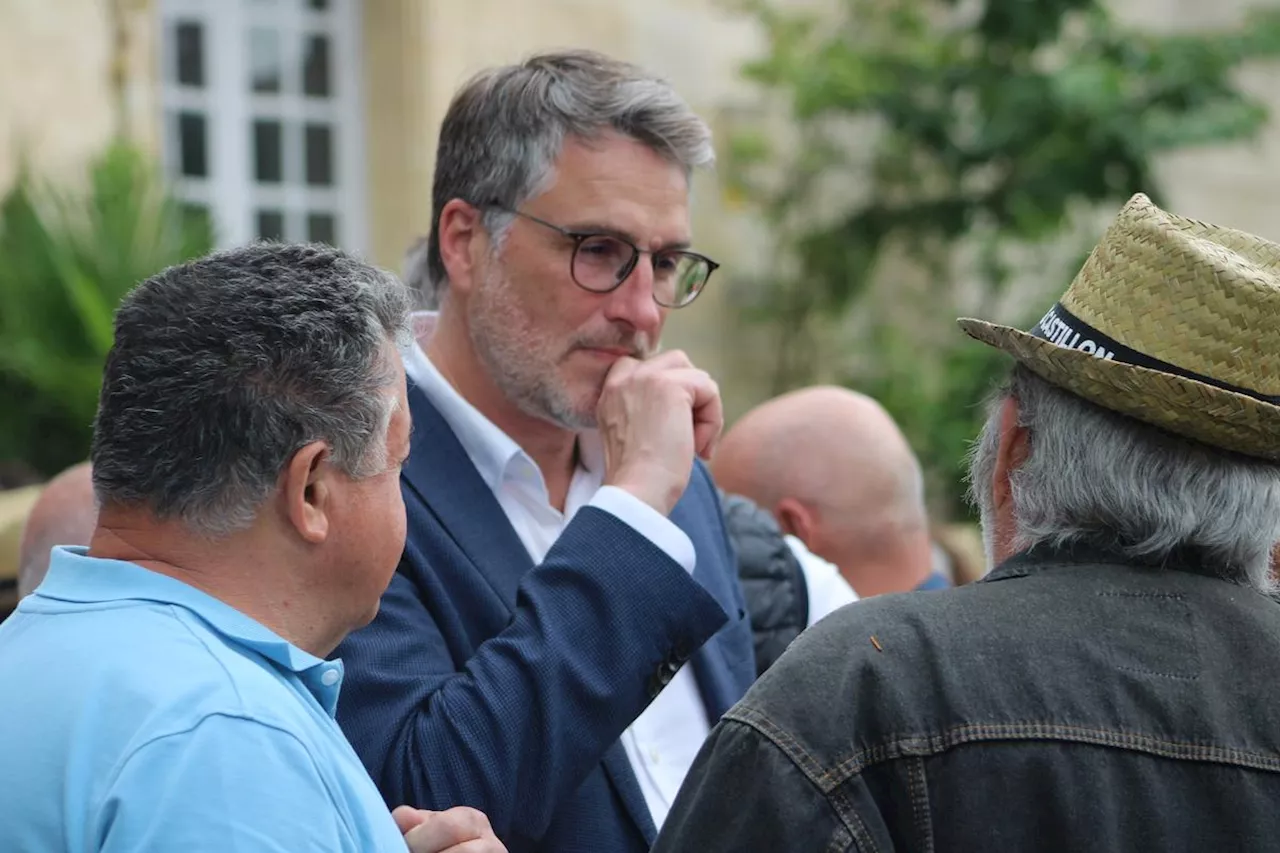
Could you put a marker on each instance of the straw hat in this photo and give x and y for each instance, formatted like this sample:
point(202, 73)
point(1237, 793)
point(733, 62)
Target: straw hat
point(1173, 322)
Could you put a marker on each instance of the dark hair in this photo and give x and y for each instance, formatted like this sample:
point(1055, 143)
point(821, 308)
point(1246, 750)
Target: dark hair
point(224, 367)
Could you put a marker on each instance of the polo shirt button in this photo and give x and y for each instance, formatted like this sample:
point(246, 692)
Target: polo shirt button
point(329, 678)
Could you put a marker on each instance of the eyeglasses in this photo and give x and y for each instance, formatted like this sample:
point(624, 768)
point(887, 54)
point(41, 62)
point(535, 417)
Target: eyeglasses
point(602, 262)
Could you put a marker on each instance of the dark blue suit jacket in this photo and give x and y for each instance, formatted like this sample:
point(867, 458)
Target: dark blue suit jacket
point(487, 682)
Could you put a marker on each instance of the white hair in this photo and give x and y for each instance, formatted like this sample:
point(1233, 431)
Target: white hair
point(1096, 477)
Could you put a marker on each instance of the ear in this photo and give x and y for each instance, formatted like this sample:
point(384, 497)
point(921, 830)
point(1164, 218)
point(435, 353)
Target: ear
point(1015, 445)
point(796, 520)
point(307, 492)
point(1011, 453)
point(460, 230)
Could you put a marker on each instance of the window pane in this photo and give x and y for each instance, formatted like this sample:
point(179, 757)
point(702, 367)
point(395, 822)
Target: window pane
point(315, 67)
point(189, 40)
point(264, 60)
point(322, 228)
point(270, 225)
point(192, 145)
point(319, 147)
point(268, 158)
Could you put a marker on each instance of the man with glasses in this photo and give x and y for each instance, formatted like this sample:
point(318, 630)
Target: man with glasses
point(529, 656)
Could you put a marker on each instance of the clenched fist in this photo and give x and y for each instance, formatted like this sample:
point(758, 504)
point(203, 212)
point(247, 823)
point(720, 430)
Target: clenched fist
point(654, 416)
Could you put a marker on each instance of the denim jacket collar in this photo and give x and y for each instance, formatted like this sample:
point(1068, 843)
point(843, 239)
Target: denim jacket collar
point(1045, 557)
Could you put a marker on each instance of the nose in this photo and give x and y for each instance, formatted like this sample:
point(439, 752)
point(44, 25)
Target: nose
point(632, 302)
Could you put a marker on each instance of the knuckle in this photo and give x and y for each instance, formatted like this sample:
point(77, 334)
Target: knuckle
point(475, 819)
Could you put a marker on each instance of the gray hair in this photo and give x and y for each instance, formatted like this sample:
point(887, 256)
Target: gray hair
point(506, 127)
point(224, 367)
point(1095, 477)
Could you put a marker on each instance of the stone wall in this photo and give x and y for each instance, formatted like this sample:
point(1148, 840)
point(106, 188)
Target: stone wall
point(58, 105)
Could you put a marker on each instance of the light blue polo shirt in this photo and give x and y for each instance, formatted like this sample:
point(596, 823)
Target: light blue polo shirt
point(140, 714)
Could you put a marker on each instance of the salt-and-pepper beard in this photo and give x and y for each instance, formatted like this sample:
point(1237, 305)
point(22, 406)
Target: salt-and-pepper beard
point(524, 363)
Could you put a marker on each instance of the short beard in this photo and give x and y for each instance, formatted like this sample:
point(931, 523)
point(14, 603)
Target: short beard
point(524, 364)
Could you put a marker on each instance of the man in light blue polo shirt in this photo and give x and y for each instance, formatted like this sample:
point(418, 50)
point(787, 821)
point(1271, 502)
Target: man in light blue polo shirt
point(166, 688)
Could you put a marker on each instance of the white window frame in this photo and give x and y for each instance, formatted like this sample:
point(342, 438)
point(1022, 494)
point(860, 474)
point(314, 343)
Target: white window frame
point(230, 191)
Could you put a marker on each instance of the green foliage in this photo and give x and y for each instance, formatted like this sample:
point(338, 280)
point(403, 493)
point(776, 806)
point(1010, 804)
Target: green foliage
point(976, 130)
point(67, 260)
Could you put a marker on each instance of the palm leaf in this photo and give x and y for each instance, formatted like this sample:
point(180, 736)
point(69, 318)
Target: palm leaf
point(67, 258)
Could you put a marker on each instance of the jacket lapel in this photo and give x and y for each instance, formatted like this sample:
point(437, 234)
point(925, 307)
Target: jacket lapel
point(618, 767)
point(718, 684)
point(441, 474)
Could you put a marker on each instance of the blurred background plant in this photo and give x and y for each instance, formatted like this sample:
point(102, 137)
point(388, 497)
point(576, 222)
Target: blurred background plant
point(67, 256)
point(941, 157)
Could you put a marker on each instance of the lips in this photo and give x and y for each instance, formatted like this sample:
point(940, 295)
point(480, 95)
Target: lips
point(634, 345)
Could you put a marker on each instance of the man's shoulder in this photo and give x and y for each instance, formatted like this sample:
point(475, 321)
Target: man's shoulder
point(153, 663)
point(916, 668)
point(861, 640)
point(871, 667)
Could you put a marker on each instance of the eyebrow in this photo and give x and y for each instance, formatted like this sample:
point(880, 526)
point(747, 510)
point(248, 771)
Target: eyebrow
point(598, 228)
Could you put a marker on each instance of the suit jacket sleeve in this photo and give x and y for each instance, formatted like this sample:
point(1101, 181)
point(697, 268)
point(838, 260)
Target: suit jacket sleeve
point(518, 724)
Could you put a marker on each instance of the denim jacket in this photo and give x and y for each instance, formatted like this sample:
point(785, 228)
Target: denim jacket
point(1067, 702)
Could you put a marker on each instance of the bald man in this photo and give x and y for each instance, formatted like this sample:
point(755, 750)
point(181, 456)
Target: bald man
point(64, 514)
point(837, 473)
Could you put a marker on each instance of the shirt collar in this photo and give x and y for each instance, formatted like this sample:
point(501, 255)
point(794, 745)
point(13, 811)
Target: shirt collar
point(491, 450)
point(76, 577)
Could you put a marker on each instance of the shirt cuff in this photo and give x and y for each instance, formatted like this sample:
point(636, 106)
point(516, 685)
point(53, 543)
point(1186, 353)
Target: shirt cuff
point(648, 522)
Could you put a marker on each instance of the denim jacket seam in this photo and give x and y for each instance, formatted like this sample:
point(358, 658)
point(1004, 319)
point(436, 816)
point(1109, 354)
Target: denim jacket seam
point(828, 777)
point(854, 829)
point(853, 825)
point(918, 786)
point(929, 745)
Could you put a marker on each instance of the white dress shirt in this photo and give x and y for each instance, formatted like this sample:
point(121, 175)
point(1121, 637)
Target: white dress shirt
point(663, 741)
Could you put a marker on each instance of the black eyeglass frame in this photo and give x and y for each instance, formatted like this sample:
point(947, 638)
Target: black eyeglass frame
point(580, 237)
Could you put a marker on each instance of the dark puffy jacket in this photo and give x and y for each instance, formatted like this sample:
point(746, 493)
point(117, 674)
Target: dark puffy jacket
point(772, 580)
